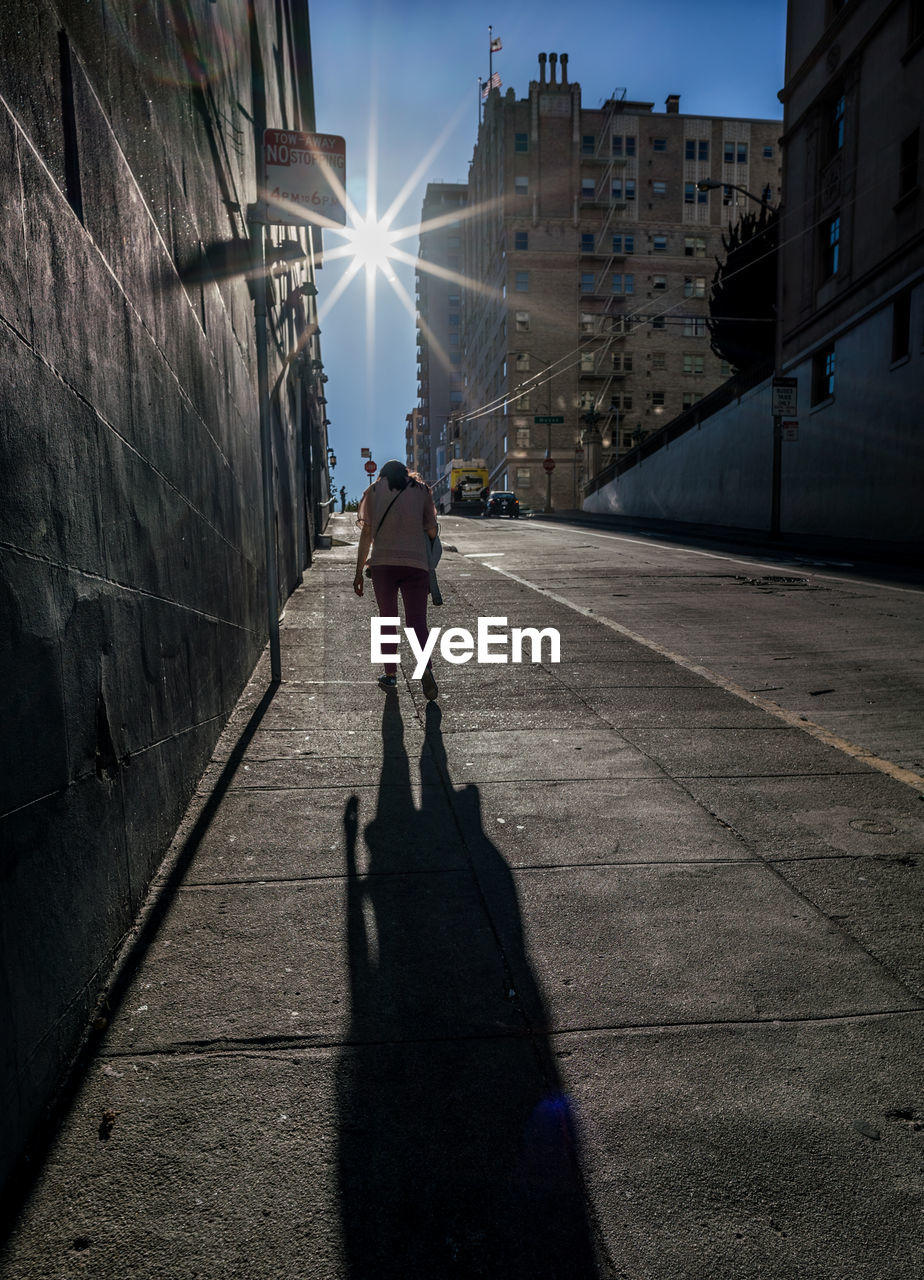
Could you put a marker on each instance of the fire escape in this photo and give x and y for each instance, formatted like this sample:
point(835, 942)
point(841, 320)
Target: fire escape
point(601, 319)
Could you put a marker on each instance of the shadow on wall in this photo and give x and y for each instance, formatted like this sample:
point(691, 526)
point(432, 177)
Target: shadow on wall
point(458, 1153)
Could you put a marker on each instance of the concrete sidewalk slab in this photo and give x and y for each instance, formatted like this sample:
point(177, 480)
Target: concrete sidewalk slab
point(688, 944)
point(294, 835)
point(798, 1156)
point(609, 820)
point(475, 990)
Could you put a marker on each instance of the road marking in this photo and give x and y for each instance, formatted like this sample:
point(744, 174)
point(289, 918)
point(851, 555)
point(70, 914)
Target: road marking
point(717, 555)
point(792, 718)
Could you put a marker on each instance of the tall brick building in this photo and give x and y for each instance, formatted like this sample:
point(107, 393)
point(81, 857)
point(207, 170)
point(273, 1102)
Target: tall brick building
point(588, 256)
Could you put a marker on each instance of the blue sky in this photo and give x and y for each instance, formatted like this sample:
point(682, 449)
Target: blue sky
point(399, 80)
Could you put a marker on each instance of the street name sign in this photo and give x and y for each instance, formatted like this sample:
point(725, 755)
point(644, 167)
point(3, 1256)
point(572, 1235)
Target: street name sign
point(549, 420)
point(304, 177)
point(785, 396)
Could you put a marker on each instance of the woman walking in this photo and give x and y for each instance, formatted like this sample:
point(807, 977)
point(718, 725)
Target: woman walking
point(396, 515)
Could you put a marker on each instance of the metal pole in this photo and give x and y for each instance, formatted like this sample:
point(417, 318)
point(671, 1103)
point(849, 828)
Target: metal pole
point(258, 248)
point(776, 481)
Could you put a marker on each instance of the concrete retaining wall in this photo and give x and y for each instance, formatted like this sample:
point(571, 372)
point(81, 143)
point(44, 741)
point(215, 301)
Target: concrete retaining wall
point(132, 603)
point(855, 471)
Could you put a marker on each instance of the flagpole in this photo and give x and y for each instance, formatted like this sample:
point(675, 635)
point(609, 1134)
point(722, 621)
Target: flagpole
point(480, 100)
point(490, 54)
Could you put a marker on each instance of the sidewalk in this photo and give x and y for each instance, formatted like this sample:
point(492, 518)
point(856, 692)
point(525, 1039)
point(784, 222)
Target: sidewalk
point(521, 984)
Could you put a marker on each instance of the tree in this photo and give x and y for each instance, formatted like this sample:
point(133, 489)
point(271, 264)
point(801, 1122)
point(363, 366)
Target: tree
point(742, 305)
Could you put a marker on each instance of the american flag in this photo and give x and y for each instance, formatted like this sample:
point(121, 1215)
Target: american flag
point(493, 83)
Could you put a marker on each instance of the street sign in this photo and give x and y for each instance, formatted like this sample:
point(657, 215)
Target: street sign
point(785, 396)
point(365, 453)
point(370, 468)
point(548, 464)
point(790, 430)
point(304, 177)
point(548, 420)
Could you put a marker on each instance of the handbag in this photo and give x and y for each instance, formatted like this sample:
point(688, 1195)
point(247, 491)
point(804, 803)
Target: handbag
point(367, 570)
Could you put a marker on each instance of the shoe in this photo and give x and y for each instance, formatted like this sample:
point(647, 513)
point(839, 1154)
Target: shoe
point(428, 684)
point(388, 682)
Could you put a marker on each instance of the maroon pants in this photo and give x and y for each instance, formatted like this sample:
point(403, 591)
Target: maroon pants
point(414, 585)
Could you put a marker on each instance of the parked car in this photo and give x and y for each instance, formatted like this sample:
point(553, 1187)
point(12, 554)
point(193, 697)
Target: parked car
point(503, 504)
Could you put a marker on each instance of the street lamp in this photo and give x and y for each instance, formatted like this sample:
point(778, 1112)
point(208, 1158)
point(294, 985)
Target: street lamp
point(710, 184)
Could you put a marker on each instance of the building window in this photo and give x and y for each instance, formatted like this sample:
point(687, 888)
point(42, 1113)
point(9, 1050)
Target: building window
point(520, 240)
point(454, 300)
point(522, 361)
point(908, 164)
point(624, 244)
point(521, 184)
point(616, 189)
point(617, 144)
point(658, 322)
point(588, 144)
point(587, 281)
point(454, 320)
point(659, 144)
point(838, 120)
point(725, 369)
point(689, 149)
point(690, 398)
point(823, 367)
point(693, 363)
point(659, 244)
point(630, 183)
point(694, 247)
point(587, 242)
point(630, 144)
point(694, 286)
point(588, 188)
point(694, 326)
point(729, 153)
point(455, 397)
point(453, 339)
point(627, 400)
point(659, 188)
point(830, 246)
point(768, 153)
point(658, 360)
point(521, 404)
point(587, 362)
point(586, 400)
point(587, 322)
point(901, 326)
point(521, 142)
point(742, 153)
point(522, 322)
point(622, 362)
point(522, 477)
point(659, 282)
point(522, 437)
point(689, 193)
point(657, 399)
point(521, 282)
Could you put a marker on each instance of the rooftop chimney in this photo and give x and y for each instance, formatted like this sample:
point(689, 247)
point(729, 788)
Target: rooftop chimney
point(564, 68)
point(672, 104)
point(553, 72)
point(542, 68)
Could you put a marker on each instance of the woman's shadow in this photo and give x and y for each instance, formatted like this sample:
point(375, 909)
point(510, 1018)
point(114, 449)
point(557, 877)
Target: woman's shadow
point(457, 1149)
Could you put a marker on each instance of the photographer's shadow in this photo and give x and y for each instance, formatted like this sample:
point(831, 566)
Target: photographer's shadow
point(457, 1150)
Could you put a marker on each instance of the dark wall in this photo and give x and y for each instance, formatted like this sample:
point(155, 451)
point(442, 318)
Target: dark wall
point(132, 594)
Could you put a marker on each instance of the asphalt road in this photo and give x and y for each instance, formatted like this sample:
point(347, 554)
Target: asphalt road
point(834, 643)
